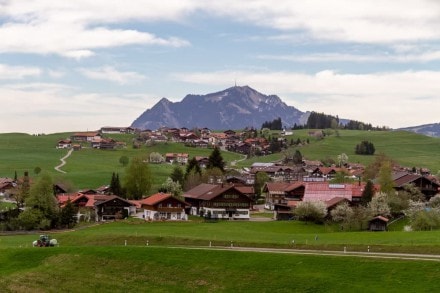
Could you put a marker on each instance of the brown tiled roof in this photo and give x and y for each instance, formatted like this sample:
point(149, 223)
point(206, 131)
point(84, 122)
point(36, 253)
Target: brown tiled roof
point(334, 201)
point(199, 190)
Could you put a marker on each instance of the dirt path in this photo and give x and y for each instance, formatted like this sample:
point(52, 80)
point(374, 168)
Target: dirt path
point(63, 162)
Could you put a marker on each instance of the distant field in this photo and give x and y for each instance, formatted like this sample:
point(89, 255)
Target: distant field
point(90, 168)
point(407, 148)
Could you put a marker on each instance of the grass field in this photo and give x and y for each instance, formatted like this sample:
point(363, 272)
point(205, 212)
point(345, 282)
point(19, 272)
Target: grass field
point(278, 234)
point(96, 259)
point(153, 269)
point(90, 168)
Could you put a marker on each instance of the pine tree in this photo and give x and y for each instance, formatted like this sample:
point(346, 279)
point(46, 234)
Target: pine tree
point(215, 160)
point(193, 165)
point(177, 175)
point(368, 193)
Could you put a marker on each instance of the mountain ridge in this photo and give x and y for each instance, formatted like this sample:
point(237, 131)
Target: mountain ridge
point(233, 108)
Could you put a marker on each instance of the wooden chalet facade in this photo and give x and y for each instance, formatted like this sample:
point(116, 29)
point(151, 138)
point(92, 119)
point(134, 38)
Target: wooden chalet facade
point(101, 207)
point(428, 187)
point(219, 202)
point(163, 206)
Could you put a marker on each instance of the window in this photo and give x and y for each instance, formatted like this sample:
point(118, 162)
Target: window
point(169, 205)
point(178, 216)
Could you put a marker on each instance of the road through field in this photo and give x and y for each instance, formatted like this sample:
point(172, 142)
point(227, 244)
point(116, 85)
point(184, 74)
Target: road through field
point(63, 161)
point(378, 255)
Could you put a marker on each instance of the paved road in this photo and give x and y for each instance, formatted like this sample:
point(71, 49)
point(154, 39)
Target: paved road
point(378, 255)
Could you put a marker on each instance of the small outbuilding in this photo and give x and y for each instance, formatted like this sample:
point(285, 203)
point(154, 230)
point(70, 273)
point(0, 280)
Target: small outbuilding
point(378, 223)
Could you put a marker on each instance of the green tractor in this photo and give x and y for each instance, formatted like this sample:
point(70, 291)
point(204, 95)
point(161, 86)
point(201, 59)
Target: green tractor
point(45, 241)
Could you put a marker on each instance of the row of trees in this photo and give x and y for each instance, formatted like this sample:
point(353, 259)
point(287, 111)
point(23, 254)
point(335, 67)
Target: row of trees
point(275, 124)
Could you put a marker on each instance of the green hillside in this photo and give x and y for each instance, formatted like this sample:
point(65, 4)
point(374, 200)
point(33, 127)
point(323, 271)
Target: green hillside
point(90, 168)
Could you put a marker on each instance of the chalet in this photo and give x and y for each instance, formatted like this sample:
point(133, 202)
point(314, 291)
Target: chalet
point(327, 172)
point(88, 136)
point(187, 137)
point(200, 143)
point(281, 173)
point(64, 144)
point(104, 207)
point(181, 158)
point(163, 206)
point(217, 139)
point(378, 223)
point(427, 186)
point(111, 208)
point(218, 202)
point(104, 144)
point(202, 161)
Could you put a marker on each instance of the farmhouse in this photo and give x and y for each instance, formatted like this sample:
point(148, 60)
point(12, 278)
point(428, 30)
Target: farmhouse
point(88, 136)
point(64, 144)
point(181, 158)
point(104, 207)
point(218, 202)
point(163, 206)
point(427, 186)
point(282, 193)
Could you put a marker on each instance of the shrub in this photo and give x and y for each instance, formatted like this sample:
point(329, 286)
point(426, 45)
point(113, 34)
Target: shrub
point(365, 148)
point(314, 211)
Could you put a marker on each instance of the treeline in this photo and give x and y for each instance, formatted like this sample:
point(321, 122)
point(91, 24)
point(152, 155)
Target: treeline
point(322, 121)
point(275, 124)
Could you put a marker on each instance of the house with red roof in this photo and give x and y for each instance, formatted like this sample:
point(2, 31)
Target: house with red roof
point(163, 206)
point(98, 206)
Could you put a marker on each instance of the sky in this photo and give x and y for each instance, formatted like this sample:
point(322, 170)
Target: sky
point(80, 65)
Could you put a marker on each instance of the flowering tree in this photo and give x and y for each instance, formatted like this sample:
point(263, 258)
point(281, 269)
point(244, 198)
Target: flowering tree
point(311, 211)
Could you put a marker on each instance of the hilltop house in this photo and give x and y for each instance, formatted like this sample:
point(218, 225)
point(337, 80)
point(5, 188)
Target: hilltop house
point(88, 136)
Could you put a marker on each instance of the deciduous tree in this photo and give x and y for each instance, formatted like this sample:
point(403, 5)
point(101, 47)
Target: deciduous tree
point(137, 181)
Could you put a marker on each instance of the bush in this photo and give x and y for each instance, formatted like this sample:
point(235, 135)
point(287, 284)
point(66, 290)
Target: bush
point(314, 211)
point(365, 148)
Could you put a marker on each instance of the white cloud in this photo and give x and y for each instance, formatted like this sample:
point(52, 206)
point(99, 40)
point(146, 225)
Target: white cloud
point(394, 99)
point(111, 74)
point(422, 57)
point(342, 20)
point(49, 108)
point(18, 72)
point(75, 29)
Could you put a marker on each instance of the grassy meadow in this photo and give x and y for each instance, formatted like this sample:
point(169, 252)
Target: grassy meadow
point(96, 259)
point(90, 168)
point(154, 269)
